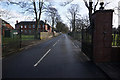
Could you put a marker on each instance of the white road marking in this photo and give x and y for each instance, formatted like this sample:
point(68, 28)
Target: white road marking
point(42, 58)
point(86, 56)
point(74, 45)
point(55, 44)
point(77, 46)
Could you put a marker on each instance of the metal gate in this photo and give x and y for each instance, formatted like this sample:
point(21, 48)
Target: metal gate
point(87, 41)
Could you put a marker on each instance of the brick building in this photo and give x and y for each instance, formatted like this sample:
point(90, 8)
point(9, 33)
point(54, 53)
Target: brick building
point(28, 27)
point(6, 28)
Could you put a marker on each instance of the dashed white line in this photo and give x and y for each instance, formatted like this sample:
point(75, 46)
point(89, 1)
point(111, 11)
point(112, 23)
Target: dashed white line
point(42, 58)
point(54, 44)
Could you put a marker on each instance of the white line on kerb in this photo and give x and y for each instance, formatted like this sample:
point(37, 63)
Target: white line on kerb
point(86, 56)
point(74, 45)
point(42, 58)
point(55, 44)
point(77, 46)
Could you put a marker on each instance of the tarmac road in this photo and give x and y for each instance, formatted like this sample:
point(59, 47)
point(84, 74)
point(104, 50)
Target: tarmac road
point(56, 58)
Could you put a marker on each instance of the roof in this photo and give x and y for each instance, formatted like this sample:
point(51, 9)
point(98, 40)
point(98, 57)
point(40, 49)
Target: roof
point(6, 24)
point(29, 22)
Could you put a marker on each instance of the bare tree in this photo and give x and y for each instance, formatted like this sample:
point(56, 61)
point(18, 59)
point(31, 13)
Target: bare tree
point(92, 7)
point(53, 14)
point(73, 11)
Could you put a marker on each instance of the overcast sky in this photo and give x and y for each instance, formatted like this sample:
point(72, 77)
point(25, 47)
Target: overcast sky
point(13, 10)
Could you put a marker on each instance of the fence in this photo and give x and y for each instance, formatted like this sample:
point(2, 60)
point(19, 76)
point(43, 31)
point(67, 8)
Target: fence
point(18, 40)
point(87, 43)
point(15, 41)
point(76, 35)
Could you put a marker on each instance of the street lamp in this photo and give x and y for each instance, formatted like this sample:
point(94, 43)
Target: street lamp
point(101, 5)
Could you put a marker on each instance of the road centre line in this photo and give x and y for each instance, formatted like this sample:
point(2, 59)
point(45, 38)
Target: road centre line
point(42, 58)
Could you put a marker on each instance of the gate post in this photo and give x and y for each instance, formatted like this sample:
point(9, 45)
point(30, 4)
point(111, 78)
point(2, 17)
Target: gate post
point(102, 35)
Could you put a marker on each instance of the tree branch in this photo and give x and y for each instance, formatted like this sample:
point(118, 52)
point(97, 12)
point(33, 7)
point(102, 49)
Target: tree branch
point(96, 5)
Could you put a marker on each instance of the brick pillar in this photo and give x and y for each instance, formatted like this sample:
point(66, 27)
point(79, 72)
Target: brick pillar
point(102, 41)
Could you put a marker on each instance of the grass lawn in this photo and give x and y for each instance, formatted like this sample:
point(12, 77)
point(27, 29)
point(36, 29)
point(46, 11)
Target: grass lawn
point(27, 37)
point(6, 40)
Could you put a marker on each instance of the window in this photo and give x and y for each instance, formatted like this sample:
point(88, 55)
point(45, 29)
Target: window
point(25, 26)
point(21, 26)
point(30, 31)
point(21, 30)
point(29, 26)
point(33, 26)
point(25, 31)
point(43, 25)
point(39, 26)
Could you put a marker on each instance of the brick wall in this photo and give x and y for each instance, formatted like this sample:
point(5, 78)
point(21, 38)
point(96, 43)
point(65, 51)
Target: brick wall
point(115, 54)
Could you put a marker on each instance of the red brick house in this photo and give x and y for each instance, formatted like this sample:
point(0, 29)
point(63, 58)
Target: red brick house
point(6, 28)
point(28, 27)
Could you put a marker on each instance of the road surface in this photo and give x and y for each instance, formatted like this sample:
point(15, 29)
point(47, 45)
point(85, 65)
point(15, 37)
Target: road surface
point(59, 57)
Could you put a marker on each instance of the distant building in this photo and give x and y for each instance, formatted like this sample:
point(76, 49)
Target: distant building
point(119, 13)
point(6, 28)
point(28, 27)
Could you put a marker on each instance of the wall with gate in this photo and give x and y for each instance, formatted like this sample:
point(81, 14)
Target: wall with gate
point(97, 39)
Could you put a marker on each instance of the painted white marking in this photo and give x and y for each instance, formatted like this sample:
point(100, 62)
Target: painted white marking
point(42, 58)
point(77, 46)
point(86, 56)
point(55, 44)
point(74, 45)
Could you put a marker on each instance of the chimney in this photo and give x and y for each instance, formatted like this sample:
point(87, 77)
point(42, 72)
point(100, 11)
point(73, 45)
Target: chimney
point(45, 21)
point(16, 21)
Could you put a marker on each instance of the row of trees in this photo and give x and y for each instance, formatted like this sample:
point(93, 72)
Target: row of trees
point(61, 27)
point(77, 22)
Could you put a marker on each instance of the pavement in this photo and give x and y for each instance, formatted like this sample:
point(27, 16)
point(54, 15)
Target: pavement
point(59, 57)
point(111, 69)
